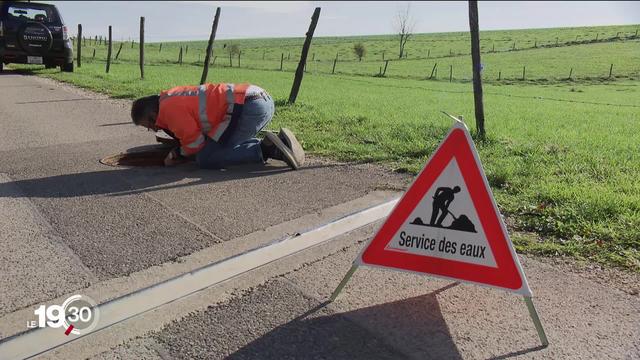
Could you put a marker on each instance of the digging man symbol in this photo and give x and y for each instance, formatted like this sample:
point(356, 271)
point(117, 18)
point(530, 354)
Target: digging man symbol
point(441, 201)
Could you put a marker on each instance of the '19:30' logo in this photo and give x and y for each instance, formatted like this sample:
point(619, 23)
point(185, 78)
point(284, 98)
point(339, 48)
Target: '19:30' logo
point(78, 314)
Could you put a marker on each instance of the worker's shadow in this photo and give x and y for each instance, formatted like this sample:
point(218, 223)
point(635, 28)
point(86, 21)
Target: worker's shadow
point(132, 180)
point(409, 328)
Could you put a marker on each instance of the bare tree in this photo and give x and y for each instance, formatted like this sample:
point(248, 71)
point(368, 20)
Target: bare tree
point(359, 50)
point(403, 26)
point(232, 49)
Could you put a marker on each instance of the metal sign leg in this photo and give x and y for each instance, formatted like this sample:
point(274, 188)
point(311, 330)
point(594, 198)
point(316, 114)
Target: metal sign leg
point(344, 282)
point(536, 321)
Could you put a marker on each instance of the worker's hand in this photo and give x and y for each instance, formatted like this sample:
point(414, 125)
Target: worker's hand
point(173, 159)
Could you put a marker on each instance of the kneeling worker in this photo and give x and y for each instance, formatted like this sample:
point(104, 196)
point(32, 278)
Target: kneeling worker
point(217, 124)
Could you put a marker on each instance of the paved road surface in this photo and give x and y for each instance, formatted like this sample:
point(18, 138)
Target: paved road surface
point(71, 225)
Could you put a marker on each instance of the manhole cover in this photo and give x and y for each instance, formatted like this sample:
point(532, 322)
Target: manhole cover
point(140, 158)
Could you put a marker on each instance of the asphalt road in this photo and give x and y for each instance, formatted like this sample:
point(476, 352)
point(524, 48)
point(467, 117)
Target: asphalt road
point(69, 224)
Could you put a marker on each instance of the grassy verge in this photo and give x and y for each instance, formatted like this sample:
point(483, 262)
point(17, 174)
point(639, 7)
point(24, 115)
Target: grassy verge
point(562, 160)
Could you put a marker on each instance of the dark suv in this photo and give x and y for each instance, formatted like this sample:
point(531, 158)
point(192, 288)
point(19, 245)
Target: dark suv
point(32, 33)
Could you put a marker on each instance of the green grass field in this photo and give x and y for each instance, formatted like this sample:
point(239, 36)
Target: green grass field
point(589, 59)
point(561, 156)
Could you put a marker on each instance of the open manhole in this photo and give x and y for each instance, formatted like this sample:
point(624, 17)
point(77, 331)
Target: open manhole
point(146, 158)
point(141, 156)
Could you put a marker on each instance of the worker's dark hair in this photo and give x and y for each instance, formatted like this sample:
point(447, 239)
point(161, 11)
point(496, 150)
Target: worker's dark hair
point(142, 107)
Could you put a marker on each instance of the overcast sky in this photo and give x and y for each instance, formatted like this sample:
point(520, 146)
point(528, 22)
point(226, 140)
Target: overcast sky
point(187, 20)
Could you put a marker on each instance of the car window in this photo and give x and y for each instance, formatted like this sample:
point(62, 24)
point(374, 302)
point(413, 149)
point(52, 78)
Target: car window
point(28, 12)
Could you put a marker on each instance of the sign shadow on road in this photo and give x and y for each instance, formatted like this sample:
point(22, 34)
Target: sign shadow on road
point(320, 333)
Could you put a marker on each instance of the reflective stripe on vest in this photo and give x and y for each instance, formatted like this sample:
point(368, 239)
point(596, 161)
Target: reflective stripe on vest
point(205, 126)
point(179, 93)
point(196, 143)
point(202, 109)
point(227, 116)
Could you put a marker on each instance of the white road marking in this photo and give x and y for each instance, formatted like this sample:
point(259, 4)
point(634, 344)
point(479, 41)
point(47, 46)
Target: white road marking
point(39, 341)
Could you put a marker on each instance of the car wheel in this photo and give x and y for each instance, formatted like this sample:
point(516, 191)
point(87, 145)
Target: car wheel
point(67, 67)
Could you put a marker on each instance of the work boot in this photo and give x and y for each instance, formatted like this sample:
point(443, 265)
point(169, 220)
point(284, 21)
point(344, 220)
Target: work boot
point(273, 148)
point(290, 140)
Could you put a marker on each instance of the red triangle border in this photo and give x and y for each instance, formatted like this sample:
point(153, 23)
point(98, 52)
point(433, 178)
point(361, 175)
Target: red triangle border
point(507, 274)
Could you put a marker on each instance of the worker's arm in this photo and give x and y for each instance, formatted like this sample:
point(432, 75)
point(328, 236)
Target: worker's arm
point(174, 157)
point(184, 128)
point(446, 205)
point(440, 189)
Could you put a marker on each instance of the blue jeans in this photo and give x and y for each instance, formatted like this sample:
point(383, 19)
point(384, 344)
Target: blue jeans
point(241, 146)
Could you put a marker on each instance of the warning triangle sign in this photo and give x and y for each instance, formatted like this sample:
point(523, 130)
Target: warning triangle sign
point(447, 224)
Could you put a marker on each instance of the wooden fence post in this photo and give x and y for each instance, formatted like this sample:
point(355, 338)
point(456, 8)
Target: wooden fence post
point(597, 36)
point(524, 71)
point(79, 60)
point(186, 49)
point(433, 70)
point(212, 37)
point(297, 80)
point(383, 55)
point(610, 71)
point(141, 47)
point(499, 75)
point(180, 56)
point(160, 49)
point(475, 57)
point(109, 51)
point(333, 71)
point(239, 52)
point(570, 73)
point(281, 60)
point(94, 54)
point(230, 59)
point(386, 63)
point(119, 49)
point(450, 73)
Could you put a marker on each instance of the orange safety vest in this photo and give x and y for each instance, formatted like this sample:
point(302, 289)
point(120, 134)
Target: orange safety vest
point(193, 112)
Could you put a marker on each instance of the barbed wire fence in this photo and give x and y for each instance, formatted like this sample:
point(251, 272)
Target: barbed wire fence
point(254, 54)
